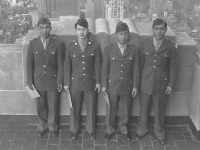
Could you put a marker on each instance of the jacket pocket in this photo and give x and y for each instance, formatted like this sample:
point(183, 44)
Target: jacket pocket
point(75, 58)
point(114, 57)
point(38, 56)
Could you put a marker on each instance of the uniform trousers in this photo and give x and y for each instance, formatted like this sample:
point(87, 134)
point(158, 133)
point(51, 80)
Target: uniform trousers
point(159, 103)
point(124, 103)
point(47, 109)
point(90, 101)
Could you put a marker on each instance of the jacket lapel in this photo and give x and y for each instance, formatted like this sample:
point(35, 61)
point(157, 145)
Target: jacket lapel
point(163, 46)
point(150, 44)
point(116, 49)
point(127, 50)
point(50, 44)
point(78, 48)
point(87, 48)
point(39, 44)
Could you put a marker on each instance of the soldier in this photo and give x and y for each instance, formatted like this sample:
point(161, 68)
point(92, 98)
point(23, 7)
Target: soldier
point(158, 66)
point(120, 78)
point(82, 70)
point(45, 63)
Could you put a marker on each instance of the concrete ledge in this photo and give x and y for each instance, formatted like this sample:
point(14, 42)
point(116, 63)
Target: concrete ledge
point(193, 130)
point(65, 119)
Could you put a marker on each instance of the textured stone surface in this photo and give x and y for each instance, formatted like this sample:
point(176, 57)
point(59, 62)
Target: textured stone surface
point(11, 68)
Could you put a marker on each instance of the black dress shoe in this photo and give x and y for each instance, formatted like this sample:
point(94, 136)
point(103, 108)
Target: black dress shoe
point(163, 141)
point(74, 135)
point(54, 133)
point(127, 136)
point(92, 135)
point(41, 133)
point(138, 137)
point(108, 136)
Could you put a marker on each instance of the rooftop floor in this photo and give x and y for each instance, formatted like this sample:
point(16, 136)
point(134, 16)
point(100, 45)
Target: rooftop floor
point(24, 137)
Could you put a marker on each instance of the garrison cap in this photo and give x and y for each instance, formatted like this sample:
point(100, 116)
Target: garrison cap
point(82, 22)
point(121, 26)
point(44, 20)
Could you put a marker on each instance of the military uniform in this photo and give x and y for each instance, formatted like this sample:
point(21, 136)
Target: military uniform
point(158, 71)
point(120, 74)
point(82, 70)
point(45, 72)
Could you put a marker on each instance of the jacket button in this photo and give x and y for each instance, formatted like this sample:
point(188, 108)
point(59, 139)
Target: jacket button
point(83, 62)
point(113, 58)
point(154, 60)
point(122, 65)
point(154, 66)
point(83, 56)
point(72, 78)
point(44, 66)
point(121, 78)
point(83, 68)
point(121, 71)
point(84, 74)
point(44, 72)
point(155, 55)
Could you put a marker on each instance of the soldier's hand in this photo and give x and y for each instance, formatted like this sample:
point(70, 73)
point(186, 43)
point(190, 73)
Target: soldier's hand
point(66, 87)
point(59, 88)
point(134, 92)
point(168, 90)
point(98, 87)
point(103, 89)
point(31, 87)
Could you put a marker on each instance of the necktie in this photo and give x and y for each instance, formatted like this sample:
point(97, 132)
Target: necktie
point(45, 44)
point(82, 46)
point(157, 46)
point(122, 49)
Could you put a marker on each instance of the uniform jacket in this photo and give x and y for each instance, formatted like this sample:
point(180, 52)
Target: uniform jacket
point(45, 67)
point(158, 68)
point(120, 74)
point(82, 70)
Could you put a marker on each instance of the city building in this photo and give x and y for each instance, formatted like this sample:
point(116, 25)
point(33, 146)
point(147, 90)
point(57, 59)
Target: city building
point(115, 9)
point(89, 9)
point(34, 17)
point(156, 6)
point(168, 6)
point(57, 8)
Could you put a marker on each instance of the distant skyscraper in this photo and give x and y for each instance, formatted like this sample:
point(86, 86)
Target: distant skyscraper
point(156, 6)
point(115, 9)
point(98, 8)
point(126, 3)
point(168, 6)
point(89, 9)
point(57, 8)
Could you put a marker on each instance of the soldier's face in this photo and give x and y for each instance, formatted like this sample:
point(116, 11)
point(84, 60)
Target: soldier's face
point(81, 32)
point(122, 36)
point(159, 31)
point(44, 30)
